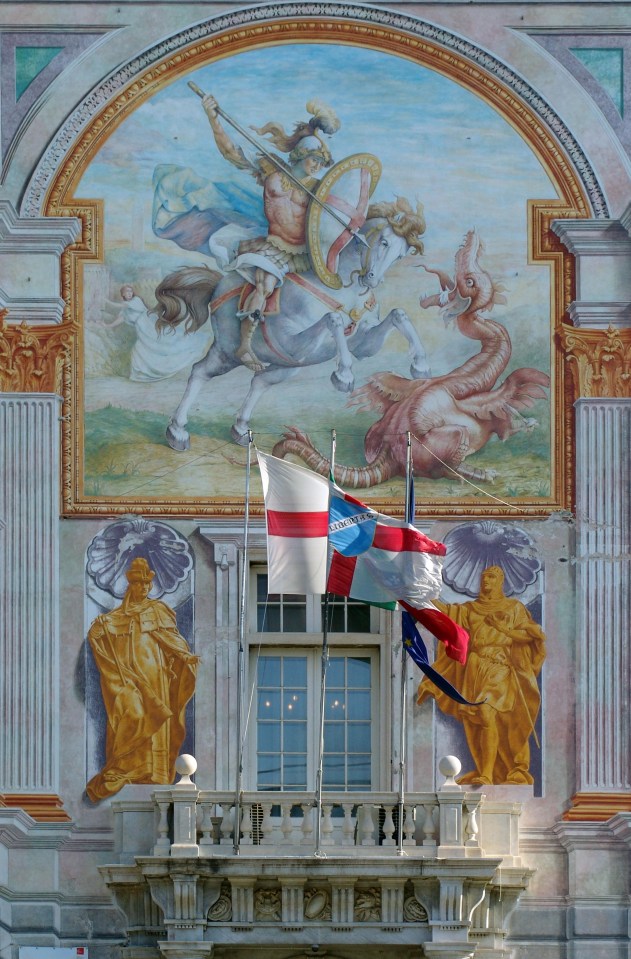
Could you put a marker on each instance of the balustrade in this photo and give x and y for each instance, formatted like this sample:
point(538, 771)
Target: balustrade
point(194, 822)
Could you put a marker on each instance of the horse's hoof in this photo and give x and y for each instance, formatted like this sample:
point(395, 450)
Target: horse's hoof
point(241, 439)
point(181, 442)
point(344, 386)
point(418, 374)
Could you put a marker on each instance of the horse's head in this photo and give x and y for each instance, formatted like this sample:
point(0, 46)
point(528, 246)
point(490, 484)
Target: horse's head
point(393, 231)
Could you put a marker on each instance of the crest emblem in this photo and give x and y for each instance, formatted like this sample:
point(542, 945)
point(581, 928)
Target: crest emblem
point(346, 190)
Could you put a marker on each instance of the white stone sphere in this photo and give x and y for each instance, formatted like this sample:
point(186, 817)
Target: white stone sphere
point(450, 766)
point(185, 765)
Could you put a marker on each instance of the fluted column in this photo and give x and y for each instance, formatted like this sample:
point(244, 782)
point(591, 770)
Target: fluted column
point(603, 486)
point(29, 586)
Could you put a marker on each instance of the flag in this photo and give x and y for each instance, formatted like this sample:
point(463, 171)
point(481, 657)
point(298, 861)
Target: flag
point(414, 645)
point(402, 564)
point(296, 514)
point(352, 525)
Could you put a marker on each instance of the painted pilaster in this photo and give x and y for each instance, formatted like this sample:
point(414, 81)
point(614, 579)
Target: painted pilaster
point(603, 471)
point(600, 364)
point(29, 586)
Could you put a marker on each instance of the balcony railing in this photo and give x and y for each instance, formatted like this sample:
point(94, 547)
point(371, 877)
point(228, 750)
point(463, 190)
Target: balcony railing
point(447, 880)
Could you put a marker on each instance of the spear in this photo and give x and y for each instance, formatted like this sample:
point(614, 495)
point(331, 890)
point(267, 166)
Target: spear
point(278, 164)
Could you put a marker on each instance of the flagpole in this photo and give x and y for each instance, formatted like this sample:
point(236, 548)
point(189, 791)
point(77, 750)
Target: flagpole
point(240, 654)
point(324, 664)
point(403, 723)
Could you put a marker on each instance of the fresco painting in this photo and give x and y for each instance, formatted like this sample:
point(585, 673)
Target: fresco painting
point(443, 156)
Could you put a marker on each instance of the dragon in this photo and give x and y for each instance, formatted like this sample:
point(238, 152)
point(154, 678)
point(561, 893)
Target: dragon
point(449, 417)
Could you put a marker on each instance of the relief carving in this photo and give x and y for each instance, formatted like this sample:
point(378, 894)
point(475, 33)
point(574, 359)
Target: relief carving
point(414, 911)
point(222, 909)
point(317, 904)
point(368, 905)
point(267, 905)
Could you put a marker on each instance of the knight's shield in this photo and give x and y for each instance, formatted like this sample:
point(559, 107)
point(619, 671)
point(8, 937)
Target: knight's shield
point(339, 211)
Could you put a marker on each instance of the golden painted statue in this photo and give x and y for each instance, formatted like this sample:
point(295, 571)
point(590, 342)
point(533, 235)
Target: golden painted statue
point(506, 652)
point(147, 678)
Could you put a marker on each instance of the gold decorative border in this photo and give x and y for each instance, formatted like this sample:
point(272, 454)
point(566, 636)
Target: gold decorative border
point(543, 244)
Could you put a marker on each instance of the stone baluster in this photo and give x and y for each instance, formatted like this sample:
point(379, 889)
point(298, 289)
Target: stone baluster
point(307, 824)
point(366, 825)
point(267, 826)
point(163, 843)
point(327, 825)
point(388, 827)
point(429, 825)
point(348, 826)
point(246, 824)
point(206, 828)
point(409, 826)
point(225, 830)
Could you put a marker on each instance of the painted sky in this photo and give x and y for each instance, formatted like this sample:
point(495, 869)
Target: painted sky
point(437, 141)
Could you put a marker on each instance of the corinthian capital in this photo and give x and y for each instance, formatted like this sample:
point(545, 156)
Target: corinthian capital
point(32, 358)
point(599, 361)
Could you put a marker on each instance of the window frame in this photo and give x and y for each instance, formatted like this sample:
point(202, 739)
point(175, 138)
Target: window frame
point(375, 644)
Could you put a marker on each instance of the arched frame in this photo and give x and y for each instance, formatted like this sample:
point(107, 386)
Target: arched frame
point(53, 191)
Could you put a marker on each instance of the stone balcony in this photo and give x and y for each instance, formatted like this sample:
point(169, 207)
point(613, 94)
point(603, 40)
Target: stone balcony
point(445, 886)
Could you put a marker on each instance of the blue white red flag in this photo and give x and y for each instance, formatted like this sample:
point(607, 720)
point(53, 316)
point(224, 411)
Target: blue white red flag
point(414, 645)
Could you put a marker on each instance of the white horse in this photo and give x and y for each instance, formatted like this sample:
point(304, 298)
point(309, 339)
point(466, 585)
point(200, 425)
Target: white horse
point(313, 324)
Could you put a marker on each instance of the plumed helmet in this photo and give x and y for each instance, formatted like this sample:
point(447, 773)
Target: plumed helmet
point(311, 146)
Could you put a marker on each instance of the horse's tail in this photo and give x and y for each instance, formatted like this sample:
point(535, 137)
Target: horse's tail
point(184, 297)
point(299, 444)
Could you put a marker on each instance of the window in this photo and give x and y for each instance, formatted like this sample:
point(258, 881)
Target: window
point(288, 719)
point(289, 613)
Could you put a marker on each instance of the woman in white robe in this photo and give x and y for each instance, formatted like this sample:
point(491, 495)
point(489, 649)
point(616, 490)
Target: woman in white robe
point(156, 356)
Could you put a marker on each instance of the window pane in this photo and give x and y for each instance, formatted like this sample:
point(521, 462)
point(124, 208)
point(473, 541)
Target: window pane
point(295, 670)
point(335, 672)
point(294, 619)
point(295, 704)
point(268, 772)
point(335, 705)
point(261, 587)
point(358, 704)
point(333, 772)
point(358, 672)
point(294, 772)
point(359, 738)
point(336, 619)
point(268, 671)
point(268, 619)
point(269, 704)
point(359, 772)
point(358, 617)
point(295, 737)
point(334, 738)
point(268, 738)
